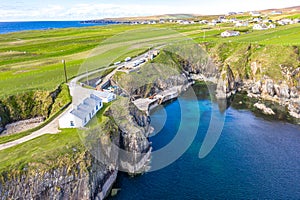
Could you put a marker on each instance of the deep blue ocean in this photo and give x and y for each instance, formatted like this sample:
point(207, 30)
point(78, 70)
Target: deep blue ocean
point(254, 158)
point(8, 27)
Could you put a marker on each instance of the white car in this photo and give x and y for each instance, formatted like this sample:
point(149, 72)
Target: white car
point(127, 59)
point(116, 63)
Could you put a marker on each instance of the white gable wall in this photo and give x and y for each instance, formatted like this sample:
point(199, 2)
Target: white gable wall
point(69, 120)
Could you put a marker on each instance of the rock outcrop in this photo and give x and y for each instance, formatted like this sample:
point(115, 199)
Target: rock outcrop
point(226, 85)
point(85, 179)
point(264, 109)
point(134, 126)
point(285, 95)
point(267, 72)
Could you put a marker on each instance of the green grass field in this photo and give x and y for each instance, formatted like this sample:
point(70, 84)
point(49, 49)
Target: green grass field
point(43, 151)
point(32, 60)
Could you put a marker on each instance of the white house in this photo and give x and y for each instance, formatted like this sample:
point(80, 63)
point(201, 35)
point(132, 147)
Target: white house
point(224, 20)
point(203, 22)
point(255, 13)
point(256, 19)
point(212, 24)
point(241, 24)
point(282, 23)
point(272, 26)
point(230, 33)
point(106, 97)
point(260, 27)
point(276, 12)
point(79, 116)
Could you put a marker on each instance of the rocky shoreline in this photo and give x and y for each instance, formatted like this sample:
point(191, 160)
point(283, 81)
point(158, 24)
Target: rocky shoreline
point(131, 126)
point(22, 125)
point(282, 94)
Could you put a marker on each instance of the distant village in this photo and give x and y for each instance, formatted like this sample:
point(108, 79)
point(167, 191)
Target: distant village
point(256, 21)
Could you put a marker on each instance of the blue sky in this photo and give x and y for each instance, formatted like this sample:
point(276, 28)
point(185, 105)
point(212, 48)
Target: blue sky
point(25, 10)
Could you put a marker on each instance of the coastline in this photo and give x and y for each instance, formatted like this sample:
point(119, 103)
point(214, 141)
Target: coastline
point(17, 27)
point(255, 103)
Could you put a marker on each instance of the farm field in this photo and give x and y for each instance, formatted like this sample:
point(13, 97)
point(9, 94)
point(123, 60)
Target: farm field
point(32, 60)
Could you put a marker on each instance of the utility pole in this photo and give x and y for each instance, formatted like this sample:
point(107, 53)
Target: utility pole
point(65, 69)
point(87, 75)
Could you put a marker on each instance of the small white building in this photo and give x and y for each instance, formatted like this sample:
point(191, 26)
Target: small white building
point(203, 22)
point(212, 23)
point(276, 12)
point(297, 20)
point(281, 23)
point(260, 27)
point(230, 33)
point(79, 116)
point(242, 24)
point(257, 20)
point(106, 97)
point(255, 13)
point(272, 26)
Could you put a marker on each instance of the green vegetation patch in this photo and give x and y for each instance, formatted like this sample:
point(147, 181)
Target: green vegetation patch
point(49, 106)
point(43, 153)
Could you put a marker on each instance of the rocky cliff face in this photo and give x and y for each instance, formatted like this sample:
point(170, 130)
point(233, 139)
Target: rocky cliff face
point(32, 104)
point(265, 72)
point(82, 180)
point(89, 173)
point(267, 89)
point(134, 128)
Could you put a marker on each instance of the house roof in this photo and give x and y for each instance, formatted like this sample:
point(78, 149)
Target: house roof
point(103, 94)
point(81, 114)
point(231, 32)
point(88, 105)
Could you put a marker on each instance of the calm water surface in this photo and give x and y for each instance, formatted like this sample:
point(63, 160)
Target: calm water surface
point(253, 158)
point(8, 27)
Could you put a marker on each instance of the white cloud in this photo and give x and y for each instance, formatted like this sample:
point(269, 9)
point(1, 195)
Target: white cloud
point(82, 11)
point(85, 11)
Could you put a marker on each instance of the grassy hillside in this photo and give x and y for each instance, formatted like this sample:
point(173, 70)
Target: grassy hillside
point(45, 152)
point(270, 60)
point(28, 57)
point(50, 151)
point(31, 69)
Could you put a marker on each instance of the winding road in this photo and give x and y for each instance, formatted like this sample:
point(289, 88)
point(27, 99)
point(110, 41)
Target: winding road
point(78, 93)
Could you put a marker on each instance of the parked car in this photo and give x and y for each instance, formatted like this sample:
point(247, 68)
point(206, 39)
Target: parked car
point(127, 59)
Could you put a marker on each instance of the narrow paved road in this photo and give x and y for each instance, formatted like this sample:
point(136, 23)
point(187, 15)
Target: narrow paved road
point(78, 93)
point(52, 127)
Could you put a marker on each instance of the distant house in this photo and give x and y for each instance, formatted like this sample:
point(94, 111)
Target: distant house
point(185, 22)
point(255, 13)
point(297, 20)
point(230, 33)
point(212, 24)
point(282, 23)
point(257, 19)
point(216, 21)
point(285, 22)
point(224, 20)
point(203, 22)
point(276, 12)
point(241, 24)
point(233, 20)
point(260, 27)
point(272, 26)
point(231, 13)
point(82, 114)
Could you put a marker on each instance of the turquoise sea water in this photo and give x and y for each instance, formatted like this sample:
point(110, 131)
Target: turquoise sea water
point(254, 158)
point(8, 27)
